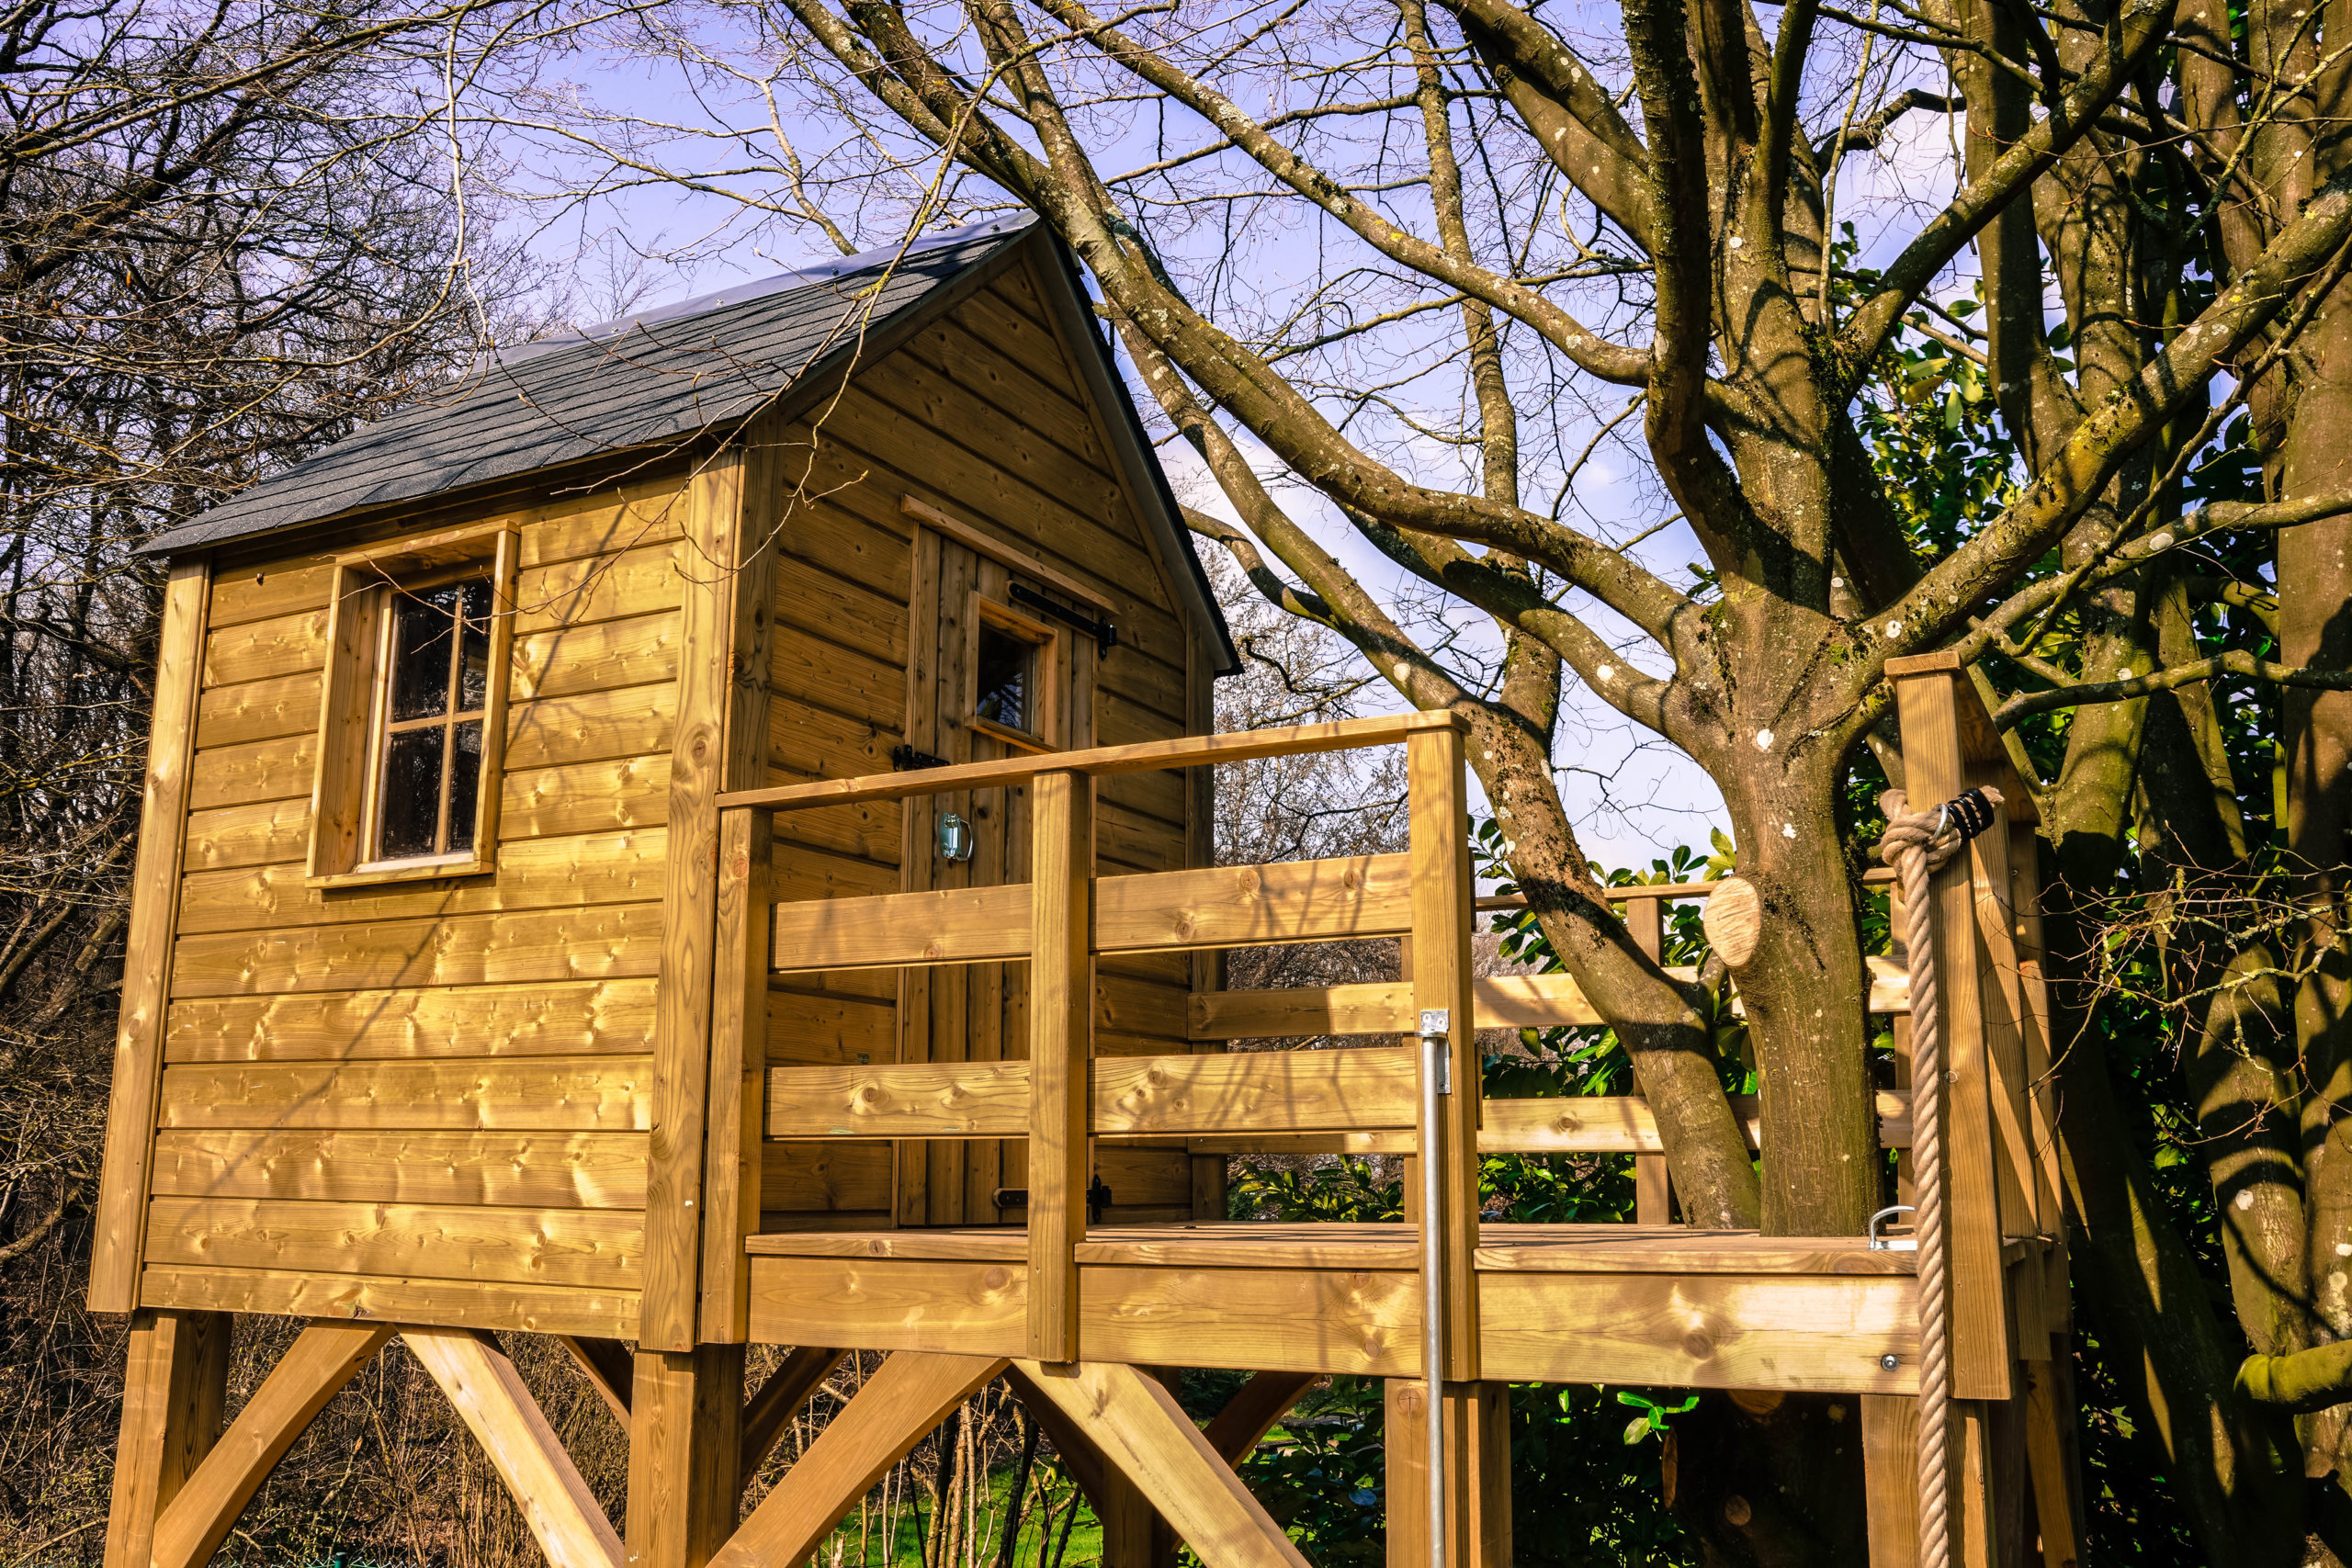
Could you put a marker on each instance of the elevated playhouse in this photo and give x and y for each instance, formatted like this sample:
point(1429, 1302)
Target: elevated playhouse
point(700, 838)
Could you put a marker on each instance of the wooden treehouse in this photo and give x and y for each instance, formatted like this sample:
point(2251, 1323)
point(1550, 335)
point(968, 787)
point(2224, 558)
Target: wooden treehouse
point(701, 838)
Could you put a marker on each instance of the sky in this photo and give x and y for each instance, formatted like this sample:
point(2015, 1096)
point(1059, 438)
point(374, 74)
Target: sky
point(1631, 795)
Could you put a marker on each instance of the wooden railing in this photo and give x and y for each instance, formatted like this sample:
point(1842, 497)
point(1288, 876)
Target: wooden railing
point(1365, 1098)
point(1061, 1098)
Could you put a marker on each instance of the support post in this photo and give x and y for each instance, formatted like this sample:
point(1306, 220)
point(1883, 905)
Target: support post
point(175, 1386)
point(1476, 1437)
point(738, 1071)
point(1652, 1191)
point(1891, 1478)
point(323, 1357)
point(1935, 706)
point(1061, 1017)
point(119, 1238)
point(684, 1455)
point(1439, 816)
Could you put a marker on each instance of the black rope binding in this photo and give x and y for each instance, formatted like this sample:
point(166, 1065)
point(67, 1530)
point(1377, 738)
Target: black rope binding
point(1970, 813)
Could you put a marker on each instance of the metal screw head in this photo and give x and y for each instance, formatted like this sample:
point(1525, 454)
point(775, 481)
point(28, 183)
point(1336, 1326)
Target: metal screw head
point(1888, 1361)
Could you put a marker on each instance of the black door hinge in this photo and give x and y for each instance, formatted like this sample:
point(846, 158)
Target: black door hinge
point(1105, 634)
point(904, 757)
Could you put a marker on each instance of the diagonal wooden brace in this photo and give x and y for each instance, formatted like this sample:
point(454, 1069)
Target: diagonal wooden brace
point(1142, 1430)
point(912, 1393)
point(564, 1516)
point(324, 1357)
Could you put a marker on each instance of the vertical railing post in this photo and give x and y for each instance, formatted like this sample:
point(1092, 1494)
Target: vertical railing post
point(1652, 1189)
point(1929, 691)
point(738, 1070)
point(1440, 825)
point(1061, 1017)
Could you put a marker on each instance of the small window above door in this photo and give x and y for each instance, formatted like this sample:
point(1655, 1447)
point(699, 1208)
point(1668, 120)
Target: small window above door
point(1012, 660)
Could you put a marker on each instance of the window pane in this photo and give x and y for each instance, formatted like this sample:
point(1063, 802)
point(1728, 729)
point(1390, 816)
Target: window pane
point(1003, 681)
point(411, 794)
point(473, 679)
point(465, 778)
point(421, 626)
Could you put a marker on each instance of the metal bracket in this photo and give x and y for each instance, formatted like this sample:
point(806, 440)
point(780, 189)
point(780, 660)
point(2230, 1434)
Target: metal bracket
point(1105, 634)
point(903, 758)
point(1435, 1026)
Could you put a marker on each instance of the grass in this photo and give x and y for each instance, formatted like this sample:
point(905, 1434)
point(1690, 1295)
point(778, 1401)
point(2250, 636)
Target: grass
point(1084, 1545)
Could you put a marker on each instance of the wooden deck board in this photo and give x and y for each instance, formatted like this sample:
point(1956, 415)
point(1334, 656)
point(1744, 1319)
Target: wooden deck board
point(1559, 1304)
point(1503, 1248)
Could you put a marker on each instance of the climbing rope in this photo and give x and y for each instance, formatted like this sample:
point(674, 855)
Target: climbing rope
point(1916, 844)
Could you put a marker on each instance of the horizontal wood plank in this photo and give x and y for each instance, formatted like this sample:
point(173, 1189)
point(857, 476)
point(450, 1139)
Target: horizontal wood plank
point(977, 1308)
point(1316, 901)
point(1191, 751)
point(1801, 1332)
point(1504, 1001)
point(914, 1100)
point(533, 1170)
point(591, 1248)
point(578, 1017)
point(946, 926)
point(1358, 1323)
point(586, 1094)
point(523, 1309)
point(532, 873)
point(1273, 1091)
point(1269, 1091)
point(564, 661)
point(614, 940)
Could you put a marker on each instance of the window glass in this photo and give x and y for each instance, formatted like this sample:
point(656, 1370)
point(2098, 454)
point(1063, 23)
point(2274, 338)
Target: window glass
point(465, 779)
point(421, 628)
point(433, 751)
point(1004, 683)
point(411, 798)
point(473, 675)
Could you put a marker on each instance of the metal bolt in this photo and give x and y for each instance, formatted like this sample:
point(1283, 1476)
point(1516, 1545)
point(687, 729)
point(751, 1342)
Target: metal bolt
point(1888, 1361)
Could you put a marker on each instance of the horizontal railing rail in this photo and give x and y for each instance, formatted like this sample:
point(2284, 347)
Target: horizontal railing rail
point(1355, 1100)
point(1191, 751)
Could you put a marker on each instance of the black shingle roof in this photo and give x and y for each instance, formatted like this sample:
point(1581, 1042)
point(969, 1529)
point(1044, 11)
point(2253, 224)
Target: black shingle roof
point(652, 377)
point(666, 374)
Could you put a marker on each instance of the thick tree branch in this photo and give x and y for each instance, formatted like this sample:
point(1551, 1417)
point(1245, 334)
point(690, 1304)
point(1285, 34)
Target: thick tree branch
point(2138, 34)
point(2302, 1383)
point(1596, 355)
point(2238, 663)
point(1572, 119)
point(2079, 472)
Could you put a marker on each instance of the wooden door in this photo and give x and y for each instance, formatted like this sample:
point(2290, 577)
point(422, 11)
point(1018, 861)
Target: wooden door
point(992, 672)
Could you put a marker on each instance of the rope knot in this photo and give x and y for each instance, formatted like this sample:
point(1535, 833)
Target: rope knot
point(1937, 833)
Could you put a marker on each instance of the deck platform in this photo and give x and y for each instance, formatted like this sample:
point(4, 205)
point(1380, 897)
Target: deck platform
point(1556, 1304)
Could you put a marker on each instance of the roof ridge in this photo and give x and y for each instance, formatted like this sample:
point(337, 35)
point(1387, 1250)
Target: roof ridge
point(755, 289)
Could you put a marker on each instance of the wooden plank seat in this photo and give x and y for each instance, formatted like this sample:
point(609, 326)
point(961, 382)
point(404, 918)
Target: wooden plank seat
point(1639, 1305)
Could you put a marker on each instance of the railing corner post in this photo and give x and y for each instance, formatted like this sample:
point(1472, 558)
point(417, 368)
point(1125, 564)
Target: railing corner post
point(1061, 1017)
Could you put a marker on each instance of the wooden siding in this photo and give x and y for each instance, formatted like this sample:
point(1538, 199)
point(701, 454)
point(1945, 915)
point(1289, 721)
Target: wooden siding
point(410, 1084)
point(984, 415)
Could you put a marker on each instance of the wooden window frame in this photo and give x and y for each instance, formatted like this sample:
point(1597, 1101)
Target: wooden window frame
point(351, 729)
point(1051, 676)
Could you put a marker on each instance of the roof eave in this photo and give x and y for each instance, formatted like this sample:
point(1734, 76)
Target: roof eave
point(1131, 447)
